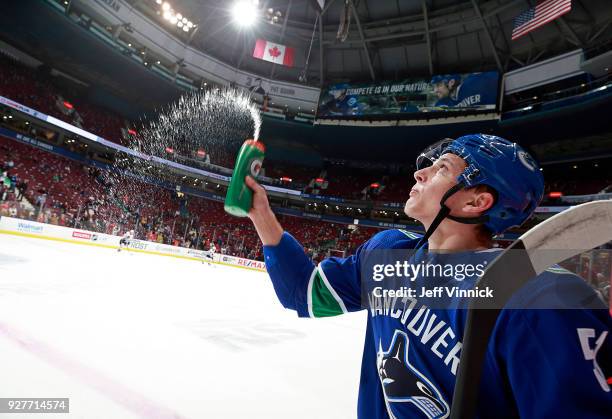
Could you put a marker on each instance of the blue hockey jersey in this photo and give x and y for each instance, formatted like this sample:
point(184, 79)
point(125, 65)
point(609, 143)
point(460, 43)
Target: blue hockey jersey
point(478, 89)
point(540, 363)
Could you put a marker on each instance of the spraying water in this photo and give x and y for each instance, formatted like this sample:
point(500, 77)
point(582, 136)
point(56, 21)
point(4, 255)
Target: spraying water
point(210, 120)
point(214, 122)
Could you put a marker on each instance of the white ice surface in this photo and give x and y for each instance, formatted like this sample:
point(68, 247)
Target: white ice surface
point(130, 335)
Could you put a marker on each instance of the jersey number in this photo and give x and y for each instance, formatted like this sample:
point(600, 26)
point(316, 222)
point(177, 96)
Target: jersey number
point(591, 354)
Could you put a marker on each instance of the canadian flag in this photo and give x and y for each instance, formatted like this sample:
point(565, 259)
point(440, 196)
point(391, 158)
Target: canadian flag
point(273, 52)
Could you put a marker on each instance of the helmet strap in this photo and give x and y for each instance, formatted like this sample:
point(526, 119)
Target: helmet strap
point(445, 213)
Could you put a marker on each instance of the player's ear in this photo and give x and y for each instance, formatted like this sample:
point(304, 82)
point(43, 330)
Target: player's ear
point(479, 201)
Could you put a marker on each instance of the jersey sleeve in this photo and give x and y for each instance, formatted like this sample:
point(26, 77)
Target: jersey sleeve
point(329, 289)
point(559, 359)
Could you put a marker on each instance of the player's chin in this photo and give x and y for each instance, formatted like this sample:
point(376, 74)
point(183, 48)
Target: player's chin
point(411, 207)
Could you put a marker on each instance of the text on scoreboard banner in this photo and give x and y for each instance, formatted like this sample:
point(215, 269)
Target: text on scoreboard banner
point(449, 92)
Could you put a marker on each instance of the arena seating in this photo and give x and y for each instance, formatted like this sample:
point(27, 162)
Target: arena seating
point(37, 91)
point(72, 194)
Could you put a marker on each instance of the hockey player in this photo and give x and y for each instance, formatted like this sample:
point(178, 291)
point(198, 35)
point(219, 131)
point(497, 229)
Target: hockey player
point(125, 240)
point(209, 255)
point(445, 87)
point(341, 103)
point(475, 90)
point(540, 362)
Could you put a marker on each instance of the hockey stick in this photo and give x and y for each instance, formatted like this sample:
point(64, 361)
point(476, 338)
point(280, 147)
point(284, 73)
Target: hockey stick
point(568, 233)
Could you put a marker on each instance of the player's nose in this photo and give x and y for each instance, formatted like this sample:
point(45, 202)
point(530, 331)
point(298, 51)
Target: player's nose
point(421, 175)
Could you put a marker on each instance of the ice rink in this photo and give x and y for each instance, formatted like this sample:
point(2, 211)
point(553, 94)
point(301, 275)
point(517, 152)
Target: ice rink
point(132, 335)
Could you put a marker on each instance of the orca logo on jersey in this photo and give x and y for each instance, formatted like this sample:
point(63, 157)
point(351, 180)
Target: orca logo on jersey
point(402, 382)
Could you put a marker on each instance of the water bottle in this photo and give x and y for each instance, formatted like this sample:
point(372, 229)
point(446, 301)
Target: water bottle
point(239, 198)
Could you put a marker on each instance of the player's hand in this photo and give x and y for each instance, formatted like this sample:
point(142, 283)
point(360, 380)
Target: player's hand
point(260, 206)
point(266, 224)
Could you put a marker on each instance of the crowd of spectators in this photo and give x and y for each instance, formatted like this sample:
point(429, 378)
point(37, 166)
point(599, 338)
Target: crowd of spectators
point(36, 89)
point(43, 187)
point(39, 90)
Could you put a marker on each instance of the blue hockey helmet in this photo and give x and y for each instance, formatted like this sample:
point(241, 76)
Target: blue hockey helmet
point(338, 90)
point(445, 78)
point(500, 164)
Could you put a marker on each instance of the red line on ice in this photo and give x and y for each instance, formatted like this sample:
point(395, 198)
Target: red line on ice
point(119, 393)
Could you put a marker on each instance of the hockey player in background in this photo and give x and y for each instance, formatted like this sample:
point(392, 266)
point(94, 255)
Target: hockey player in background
point(209, 255)
point(540, 363)
point(341, 103)
point(125, 240)
point(475, 90)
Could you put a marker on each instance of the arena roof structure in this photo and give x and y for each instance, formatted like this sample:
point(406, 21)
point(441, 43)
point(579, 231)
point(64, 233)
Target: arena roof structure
point(363, 40)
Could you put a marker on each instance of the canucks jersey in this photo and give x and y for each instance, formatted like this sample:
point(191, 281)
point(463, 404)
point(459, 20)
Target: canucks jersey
point(540, 363)
point(445, 102)
point(348, 105)
point(478, 89)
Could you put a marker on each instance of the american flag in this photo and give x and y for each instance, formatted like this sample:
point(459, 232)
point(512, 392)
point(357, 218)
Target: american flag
point(537, 16)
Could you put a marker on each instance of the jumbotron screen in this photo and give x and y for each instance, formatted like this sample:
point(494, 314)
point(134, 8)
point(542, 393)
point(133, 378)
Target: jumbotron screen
point(441, 93)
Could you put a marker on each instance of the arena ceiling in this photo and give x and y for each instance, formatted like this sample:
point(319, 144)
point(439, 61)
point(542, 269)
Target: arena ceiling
point(388, 39)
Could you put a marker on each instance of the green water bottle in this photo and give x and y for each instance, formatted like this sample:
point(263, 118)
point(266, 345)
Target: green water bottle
point(239, 198)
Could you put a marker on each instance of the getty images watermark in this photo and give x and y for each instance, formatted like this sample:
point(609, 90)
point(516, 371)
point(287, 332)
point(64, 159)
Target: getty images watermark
point(397, 281)
point(404, 270)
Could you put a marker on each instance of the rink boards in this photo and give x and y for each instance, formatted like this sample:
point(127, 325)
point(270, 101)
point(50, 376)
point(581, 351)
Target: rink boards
point(26, 228)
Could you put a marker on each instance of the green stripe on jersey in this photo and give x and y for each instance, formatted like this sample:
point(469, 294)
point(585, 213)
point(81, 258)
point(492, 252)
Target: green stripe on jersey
point(411, 234)
point(324, 304)
point(559, 270)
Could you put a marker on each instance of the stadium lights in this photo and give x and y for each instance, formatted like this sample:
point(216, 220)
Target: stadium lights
point(245, 12)
point(273, 16)
point(175, 18)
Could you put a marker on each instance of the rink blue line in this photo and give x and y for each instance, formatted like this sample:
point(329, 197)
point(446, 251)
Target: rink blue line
point(108, 246)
